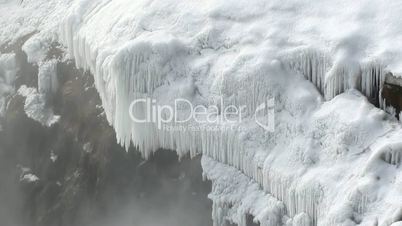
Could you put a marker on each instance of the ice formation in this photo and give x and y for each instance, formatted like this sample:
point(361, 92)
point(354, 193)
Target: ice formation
point(36, 108)
point(333, 158)
point(47, 77)
point(36, 48)
point(234, 196)
point(8, 71)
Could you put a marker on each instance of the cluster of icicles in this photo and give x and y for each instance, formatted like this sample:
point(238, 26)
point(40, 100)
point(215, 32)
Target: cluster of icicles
point(315, 66)
point(135, 74)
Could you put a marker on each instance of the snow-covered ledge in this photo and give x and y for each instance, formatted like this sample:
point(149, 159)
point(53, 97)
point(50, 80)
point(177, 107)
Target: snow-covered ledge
point(333, 158)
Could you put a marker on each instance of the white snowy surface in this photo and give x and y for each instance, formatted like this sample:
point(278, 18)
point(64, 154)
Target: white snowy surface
point(334, 159)
point(35, 106)
point(21, 18)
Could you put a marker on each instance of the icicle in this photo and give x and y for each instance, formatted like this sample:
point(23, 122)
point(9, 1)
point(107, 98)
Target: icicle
point(313, 65)
point(392, 156)
point(316, 67)
point(359, 201)
point(373, 76)
point(235, 197)
point(297, 199)
point(336, 82)
point(47, 77)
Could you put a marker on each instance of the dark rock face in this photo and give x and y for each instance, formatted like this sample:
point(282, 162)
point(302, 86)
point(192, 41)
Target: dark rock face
point(392, 93)
point(85, 177)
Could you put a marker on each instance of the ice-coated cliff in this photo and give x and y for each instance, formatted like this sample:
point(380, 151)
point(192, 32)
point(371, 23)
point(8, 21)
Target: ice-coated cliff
point(332, 159)
point(8, 70)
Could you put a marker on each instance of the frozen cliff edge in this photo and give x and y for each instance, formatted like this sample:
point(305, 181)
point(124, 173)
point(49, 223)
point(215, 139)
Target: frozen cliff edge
point(333, 158)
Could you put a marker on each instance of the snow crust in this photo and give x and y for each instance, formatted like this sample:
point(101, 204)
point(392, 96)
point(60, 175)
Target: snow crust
point(333, 159)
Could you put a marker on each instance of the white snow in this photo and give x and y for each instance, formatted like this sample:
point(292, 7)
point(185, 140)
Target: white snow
point(333, 158)
point(22, 18)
